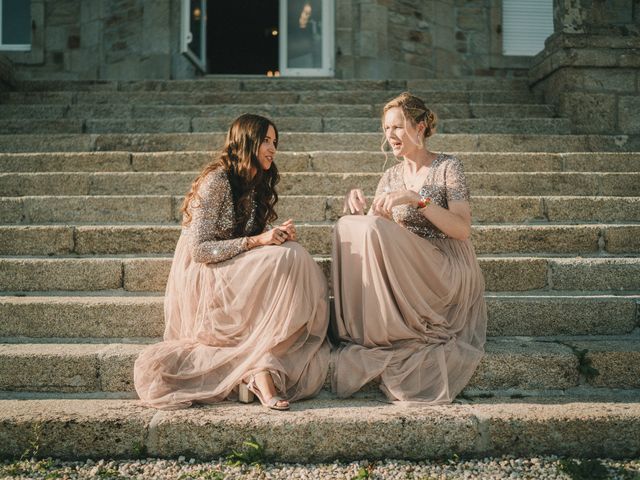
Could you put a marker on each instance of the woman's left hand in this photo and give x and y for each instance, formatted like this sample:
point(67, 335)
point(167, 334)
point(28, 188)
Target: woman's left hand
point(290, 228)
point(385, 202)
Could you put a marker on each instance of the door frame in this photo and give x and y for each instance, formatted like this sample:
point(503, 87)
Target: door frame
point(328, 44)
point(186, 36)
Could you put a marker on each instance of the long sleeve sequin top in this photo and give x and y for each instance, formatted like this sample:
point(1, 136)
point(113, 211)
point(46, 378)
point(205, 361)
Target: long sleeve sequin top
point(211, 230)
point(445, 183)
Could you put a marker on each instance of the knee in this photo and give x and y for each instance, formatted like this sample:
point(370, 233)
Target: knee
point(365, 224)
point(357, 221)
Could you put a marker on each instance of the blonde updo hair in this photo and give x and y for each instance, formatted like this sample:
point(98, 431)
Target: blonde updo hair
point(415, 110)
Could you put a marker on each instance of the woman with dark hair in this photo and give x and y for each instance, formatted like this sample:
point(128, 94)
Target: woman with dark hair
point(245, 306)
point(408, 289)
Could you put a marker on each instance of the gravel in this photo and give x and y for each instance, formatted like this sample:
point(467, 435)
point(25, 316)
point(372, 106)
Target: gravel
point(539, 468)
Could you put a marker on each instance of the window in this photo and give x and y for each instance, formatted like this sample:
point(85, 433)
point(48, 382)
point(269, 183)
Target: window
point(526, 25)
point(15, 25)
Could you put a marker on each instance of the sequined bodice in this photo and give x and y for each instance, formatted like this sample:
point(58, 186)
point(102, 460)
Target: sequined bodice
point(444, 183)
point(211, 232)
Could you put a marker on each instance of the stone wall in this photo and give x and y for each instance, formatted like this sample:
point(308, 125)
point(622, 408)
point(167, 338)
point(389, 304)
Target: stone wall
point(7, 79)
point(410, 40)
point(590, 67)
point(101, 40)
point(432, 38)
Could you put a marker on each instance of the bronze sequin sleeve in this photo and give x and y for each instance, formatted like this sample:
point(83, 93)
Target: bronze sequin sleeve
point(212, 225)
point(455, 181)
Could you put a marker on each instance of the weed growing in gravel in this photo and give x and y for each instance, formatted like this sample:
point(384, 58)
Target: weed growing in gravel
point(203, 475)
point(53, 475)
point(27, 467)
point(365, 472)
point(583, 470)
point(251, 453)
point(34, 444)
point(454, 458)
point(28, 463)
point(108, 472)
point(362, 474)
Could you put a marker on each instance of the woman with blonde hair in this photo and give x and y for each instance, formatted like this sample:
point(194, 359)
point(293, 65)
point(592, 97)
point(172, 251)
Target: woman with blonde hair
point(409, 300)
point(245, 306)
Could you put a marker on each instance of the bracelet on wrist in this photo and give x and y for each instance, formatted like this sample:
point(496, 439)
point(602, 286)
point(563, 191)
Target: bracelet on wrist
point(424, 203)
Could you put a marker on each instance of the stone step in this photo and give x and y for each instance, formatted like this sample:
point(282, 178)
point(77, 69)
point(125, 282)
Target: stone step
point(77, 429)
point(318, 161)
point(285, 124)
point(446, 111)
point(509, 363)
point(316, 238)
point(272, 84)
point(122, 209)
point(149, 274)
point(325, 429)
point(75, 317)
point(317, 183)
point(307, 97)
point(296, 142)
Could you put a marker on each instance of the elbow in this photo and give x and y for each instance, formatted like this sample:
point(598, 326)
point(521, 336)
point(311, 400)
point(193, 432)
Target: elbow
point(198, 255)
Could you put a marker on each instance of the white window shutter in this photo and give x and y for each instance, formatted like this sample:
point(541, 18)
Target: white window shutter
point(526, 24)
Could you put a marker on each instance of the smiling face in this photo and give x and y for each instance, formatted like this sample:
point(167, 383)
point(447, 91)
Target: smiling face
point(404, 136)
point(268, 148)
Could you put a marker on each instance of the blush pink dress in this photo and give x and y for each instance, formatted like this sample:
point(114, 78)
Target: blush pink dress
point(230, 313)
point(409, 303)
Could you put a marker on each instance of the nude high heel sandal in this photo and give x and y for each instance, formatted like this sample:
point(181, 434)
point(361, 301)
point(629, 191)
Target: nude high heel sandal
point(247, 392)
point(244, 394)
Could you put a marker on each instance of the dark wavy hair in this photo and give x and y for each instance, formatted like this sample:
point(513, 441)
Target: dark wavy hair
point(239, 158)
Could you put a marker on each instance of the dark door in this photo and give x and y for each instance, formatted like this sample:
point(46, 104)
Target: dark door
point(242, 36)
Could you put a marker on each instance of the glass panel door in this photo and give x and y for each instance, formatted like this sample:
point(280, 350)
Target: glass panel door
point(15, 25)
point(306, 37)
point(193, 42)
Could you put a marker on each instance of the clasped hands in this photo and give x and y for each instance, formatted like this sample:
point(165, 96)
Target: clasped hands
point(356, 204)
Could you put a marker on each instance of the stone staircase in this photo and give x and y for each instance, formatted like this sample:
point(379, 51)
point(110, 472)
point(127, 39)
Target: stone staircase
point(91, 179)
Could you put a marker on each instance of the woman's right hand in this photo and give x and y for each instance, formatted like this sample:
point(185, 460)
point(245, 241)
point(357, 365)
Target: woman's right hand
point(354, 202)
point(275, 236)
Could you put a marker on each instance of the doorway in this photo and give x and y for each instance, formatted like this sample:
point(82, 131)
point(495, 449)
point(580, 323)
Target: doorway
point(242, 37)
point(259, 37)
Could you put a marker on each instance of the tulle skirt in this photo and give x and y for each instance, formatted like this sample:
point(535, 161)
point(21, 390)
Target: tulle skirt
point(409, 311)
point(265, 309)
